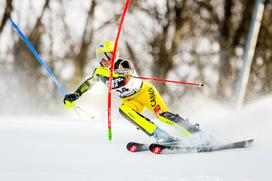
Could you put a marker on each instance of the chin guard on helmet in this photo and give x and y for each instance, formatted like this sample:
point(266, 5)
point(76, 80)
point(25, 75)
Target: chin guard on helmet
point(104, 51)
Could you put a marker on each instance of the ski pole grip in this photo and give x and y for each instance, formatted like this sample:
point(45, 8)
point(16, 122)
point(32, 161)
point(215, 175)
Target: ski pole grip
point(201, 85)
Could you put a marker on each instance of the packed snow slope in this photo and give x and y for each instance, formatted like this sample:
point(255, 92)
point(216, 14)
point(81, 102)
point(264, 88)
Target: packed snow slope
point(38, 148)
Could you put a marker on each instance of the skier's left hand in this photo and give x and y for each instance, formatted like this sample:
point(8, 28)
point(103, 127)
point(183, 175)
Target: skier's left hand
point(70, 97)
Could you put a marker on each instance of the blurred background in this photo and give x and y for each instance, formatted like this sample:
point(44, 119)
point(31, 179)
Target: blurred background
point(196, 41)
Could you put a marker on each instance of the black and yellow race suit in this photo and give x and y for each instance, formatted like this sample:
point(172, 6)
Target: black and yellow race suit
point(135, 94)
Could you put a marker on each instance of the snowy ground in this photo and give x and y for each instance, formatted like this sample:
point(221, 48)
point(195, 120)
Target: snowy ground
point(56, 148)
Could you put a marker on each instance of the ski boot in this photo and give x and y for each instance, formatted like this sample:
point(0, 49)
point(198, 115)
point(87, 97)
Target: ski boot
point(162, 136)
point(192, 128)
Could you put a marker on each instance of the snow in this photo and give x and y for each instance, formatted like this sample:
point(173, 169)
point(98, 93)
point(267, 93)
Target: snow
point(63, 148)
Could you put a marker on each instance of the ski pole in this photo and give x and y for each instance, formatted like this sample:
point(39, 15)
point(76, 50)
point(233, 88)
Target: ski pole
point(82, 110)
point(170, 81)
point(60, 87)
point(38, 57)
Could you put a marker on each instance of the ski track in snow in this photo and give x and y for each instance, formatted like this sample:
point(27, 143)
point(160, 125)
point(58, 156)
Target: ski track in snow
point(56, 148)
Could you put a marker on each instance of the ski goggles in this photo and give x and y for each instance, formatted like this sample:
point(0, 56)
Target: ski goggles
point(106, 56)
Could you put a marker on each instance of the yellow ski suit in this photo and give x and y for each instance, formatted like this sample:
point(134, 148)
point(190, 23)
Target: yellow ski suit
point(135, 94)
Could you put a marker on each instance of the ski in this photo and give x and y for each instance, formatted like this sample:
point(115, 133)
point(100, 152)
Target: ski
point(174, 148)
point(137, 147)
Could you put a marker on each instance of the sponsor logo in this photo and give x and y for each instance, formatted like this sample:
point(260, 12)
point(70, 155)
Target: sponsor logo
point(101, 46)
point(156, 150)
point(152, 97)
point(133, 148)
point(157, 108)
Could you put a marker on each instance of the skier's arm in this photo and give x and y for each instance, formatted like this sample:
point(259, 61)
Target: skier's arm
point(105, 72)
point(122, 68)
point(86, 85)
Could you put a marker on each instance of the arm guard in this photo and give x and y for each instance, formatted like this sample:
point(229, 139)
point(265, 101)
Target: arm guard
point(86, 85)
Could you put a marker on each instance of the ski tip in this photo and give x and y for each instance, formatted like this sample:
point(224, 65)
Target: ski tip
point(132, 147)
point(156, 149)
point(250, 141)
point(201, 85)
point(245, 143)
point(137, 147)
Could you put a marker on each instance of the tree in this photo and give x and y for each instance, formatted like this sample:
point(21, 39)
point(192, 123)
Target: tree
point(7, 14)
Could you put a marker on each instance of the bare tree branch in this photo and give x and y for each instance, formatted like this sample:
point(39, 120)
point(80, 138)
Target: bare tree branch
point(7, 14)
point(207, 5)
point(82, 56)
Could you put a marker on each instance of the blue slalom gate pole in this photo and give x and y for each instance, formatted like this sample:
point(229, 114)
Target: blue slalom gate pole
point(27, 42)
point(45, 66)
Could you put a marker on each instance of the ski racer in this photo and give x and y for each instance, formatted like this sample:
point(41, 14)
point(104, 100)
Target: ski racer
point(135, 94)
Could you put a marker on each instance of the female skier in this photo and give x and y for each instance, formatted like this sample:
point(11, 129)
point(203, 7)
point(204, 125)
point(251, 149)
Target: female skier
point(135, 94)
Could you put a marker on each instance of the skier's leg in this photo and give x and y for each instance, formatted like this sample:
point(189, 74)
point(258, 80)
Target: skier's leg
point(151, 99)
point(144, 124)
point(171, 118)
point(159, 108)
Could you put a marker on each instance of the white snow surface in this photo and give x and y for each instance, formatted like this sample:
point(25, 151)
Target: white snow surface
point(39, 148)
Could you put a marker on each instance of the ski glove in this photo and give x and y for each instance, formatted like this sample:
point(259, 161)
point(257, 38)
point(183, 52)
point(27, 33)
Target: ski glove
point(71, 97)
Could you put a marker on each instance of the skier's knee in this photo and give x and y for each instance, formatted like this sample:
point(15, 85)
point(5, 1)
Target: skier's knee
point(136, 106)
